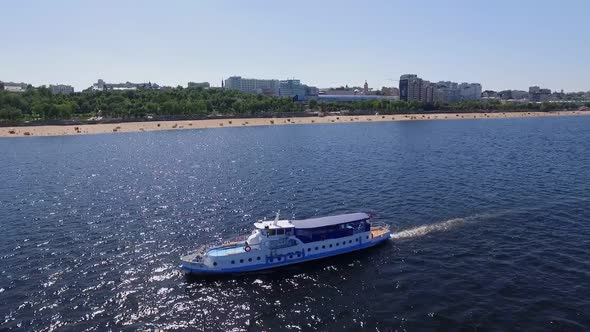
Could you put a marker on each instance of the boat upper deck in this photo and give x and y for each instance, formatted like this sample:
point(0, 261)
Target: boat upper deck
point(313, 222)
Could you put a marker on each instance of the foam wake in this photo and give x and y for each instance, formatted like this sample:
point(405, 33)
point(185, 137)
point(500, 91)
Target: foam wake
point(426, 229)
point(442, 226)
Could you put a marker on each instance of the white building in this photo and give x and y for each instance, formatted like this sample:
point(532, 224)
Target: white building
point(61, 89)
point(15, 87)
point(252, 85)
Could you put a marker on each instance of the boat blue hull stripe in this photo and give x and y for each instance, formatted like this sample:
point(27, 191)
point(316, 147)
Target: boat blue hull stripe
point(263, 266)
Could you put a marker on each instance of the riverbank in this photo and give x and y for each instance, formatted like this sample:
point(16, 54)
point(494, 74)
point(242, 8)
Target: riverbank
point(128, 127)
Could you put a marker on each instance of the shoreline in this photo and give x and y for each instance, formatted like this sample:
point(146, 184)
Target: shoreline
point(130, 127)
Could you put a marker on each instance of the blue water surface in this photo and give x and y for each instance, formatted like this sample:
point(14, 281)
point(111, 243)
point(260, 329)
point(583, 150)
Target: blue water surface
point(491, 221)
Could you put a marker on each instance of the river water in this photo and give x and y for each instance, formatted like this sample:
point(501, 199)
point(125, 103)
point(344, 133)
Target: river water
point(491, 222)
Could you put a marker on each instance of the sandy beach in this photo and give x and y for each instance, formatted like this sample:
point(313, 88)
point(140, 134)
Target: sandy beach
point(127, 127)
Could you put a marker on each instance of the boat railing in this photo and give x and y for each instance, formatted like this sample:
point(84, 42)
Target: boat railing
point(379, 224)
point(240, 238)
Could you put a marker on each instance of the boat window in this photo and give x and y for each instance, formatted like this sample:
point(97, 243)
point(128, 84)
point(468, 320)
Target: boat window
point(337, 244)
point(343, 242)
point(357, 240)
point(241, 261)
point(280, 231)
point(349, 241)
point(279, 259)
point(249, 259)
point(316, 248)
point(290, 256)
point(309, 249)
point(258, 258)
point(233, 262)
point(272, 232)
point(214, 263)
point(270, 260)
point(298, 255)
point(323, 247)
point(330, 245)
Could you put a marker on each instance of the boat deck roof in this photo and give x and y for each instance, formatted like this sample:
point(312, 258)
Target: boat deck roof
point(313, 222)
point(329, 221)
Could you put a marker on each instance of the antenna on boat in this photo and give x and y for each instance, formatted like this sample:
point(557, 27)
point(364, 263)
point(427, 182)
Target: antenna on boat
point(276, 218)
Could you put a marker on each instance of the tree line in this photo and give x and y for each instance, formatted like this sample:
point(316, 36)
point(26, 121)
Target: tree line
point(400, 106)
point(39, 104)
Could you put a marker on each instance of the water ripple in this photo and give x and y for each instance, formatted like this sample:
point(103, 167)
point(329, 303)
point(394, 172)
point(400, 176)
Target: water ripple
point(490, 219)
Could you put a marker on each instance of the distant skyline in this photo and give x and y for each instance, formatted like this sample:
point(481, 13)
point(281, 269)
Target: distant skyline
point(500, 44)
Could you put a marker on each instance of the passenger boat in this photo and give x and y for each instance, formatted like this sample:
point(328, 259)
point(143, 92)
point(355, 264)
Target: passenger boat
point(278, 243)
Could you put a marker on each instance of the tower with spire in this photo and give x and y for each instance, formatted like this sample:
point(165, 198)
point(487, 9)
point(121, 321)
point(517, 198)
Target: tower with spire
point(366, 88)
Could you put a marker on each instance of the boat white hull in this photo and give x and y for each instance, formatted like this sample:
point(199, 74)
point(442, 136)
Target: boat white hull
point(258, 259)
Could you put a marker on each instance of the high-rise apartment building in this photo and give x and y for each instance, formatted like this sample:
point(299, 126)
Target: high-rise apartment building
point(413, 88)
point(408, 84)
point(470, 91)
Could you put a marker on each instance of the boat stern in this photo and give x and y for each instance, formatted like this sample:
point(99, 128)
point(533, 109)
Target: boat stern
point(380, 231)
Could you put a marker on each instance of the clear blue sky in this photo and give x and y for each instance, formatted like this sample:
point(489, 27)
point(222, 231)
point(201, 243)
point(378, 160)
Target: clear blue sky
point(501, 44)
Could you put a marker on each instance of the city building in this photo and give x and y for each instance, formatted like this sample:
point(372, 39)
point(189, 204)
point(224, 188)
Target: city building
point(470, 91)
point(15, 87)
point(338, 92)
point(193, 85)
point(447, 92)
point(413, 88)
point(252, 85)
point(519, 95)
point(512, 95)
point(427, 92)
point(61, 89)
point(366, 88)
point(351, 98)
point(311, 91)
point(409, 87)
point(292, 89)
point(102, 86)
point(394, 92)
point(536, 94)
point(489, 94)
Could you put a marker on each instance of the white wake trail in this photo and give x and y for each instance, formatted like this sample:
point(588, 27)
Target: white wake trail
point(426, 229)
point(442, 226)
